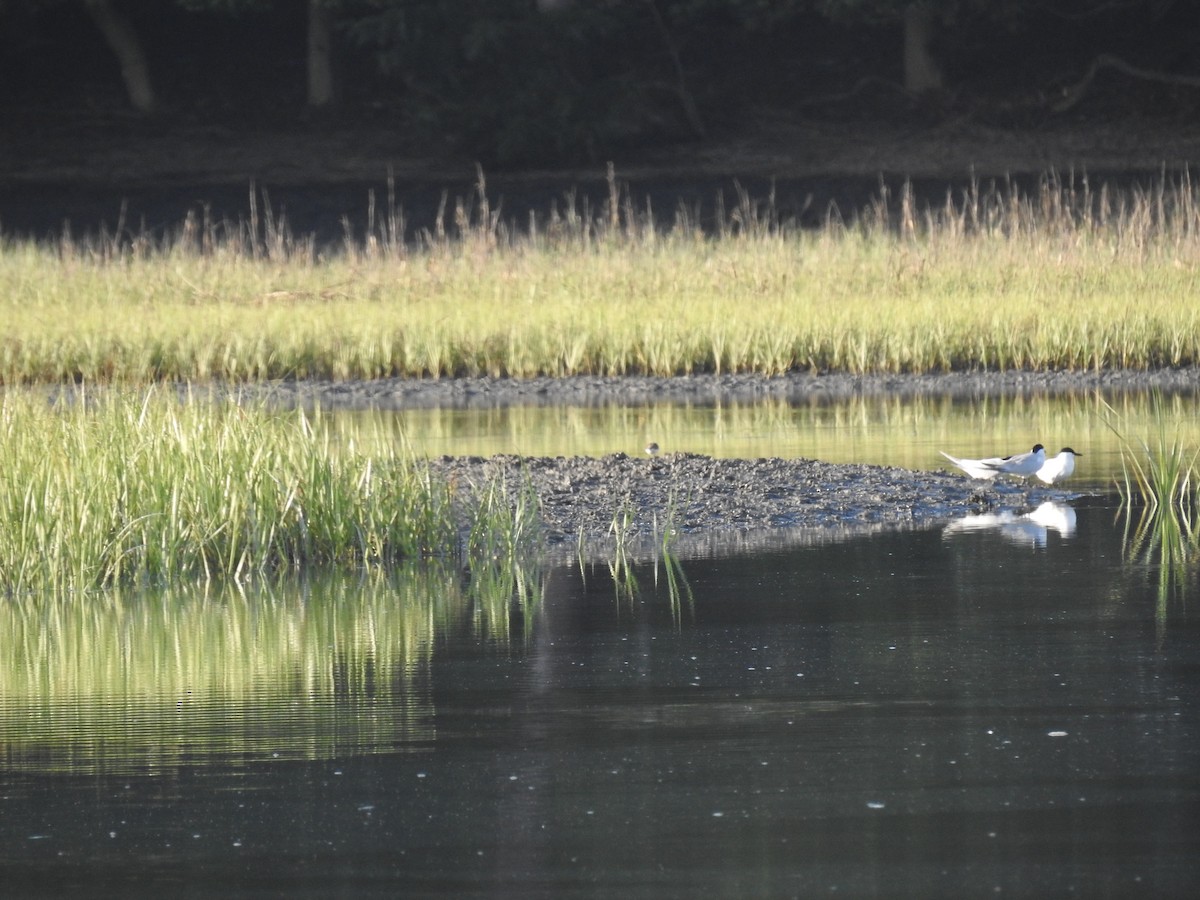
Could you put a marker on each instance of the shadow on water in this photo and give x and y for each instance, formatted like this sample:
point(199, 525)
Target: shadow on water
point(998, 706)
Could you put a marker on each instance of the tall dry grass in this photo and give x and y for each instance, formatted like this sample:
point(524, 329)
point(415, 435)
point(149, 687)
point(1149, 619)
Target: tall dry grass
point(1064, 277)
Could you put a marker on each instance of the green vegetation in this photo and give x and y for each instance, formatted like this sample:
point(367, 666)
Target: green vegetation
point(504, 548)
point(1160, 477)
point(1066, 279)
point(1159, 473)
point(147, 490)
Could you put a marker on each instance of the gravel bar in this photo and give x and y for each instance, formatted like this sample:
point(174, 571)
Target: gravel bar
point(722, 500)
point(581, 497)
point(717, 499)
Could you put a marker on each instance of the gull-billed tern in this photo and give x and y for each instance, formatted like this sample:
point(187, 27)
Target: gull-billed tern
point(1022, 464)
point(1056, 468)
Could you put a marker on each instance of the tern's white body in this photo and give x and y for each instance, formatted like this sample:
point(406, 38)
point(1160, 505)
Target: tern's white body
point(1020, 464)
point(1056, 468)
point(976, 468)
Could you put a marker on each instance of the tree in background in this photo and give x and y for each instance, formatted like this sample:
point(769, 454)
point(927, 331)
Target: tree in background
point(321, 88)
point(929, 25)
point(513, 81)
point(125, 31)
point(122, 38)
point(530, 81)
point(319, 56)
point(920, 22)
point(922, 72)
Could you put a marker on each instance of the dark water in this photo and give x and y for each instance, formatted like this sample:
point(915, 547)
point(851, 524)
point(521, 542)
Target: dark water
point(998, 711)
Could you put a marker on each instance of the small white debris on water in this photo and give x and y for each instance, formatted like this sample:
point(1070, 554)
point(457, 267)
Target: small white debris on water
point(1056, 734)
point(875, 804)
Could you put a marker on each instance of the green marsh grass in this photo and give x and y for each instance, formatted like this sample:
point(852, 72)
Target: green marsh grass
point(504, 549)
point(626, 550)
point(146, 489)
point(1159, 477)
point(1066, 277)
point(1158, 472)
point(679, 590)
point(621, 563)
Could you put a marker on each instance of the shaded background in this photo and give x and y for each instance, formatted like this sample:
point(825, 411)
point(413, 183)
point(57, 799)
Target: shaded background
point(140, 110)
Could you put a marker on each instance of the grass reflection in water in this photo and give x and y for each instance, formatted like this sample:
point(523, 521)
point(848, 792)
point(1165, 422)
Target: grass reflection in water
point(1159, 477)
point(308, 668)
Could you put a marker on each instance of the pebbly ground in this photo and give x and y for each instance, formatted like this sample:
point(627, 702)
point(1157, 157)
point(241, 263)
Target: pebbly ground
point(582, 497)
point(706, 499)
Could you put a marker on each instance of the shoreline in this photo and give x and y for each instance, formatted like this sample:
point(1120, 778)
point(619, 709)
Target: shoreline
point(631, 390)
point(597, 505)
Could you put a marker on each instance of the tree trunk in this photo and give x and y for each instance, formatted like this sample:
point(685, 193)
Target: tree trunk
point(320, 56)
point(921, 71)
point(125, 45)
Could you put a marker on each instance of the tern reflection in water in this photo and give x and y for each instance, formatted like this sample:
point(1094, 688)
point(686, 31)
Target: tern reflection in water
point(1028, 530)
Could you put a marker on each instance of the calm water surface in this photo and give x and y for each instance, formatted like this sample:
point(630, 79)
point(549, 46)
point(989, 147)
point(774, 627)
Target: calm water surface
point(1007, 709)
point(905, 432)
